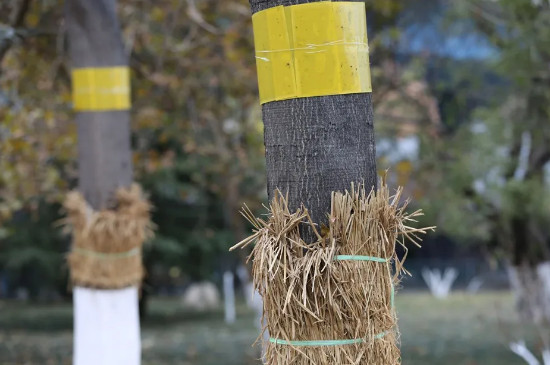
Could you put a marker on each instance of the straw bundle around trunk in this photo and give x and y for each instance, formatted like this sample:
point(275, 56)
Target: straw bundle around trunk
point(106, 249)
point(331, 302)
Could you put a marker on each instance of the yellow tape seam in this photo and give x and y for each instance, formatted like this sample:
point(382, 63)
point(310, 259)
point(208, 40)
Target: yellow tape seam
point(312, 49)
point(101, 88)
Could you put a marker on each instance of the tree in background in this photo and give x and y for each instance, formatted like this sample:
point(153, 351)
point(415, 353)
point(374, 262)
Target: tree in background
point(494, 185)
point(184, 134)
point(106, 321)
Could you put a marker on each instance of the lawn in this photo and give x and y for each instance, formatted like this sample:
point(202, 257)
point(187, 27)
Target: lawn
point(462, 330)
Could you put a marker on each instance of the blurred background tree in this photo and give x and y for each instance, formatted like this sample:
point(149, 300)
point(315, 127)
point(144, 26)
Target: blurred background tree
point(489, 179)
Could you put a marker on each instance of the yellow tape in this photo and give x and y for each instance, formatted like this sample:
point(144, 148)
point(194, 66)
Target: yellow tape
point(101, 89)
point(312, 49)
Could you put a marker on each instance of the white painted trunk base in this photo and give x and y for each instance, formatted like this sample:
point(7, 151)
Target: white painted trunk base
point(106, 327)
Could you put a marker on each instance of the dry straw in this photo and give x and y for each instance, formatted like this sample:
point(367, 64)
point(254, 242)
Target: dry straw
point(331, 301)
point(106, 250)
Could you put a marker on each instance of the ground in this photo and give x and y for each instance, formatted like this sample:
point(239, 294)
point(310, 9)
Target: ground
point(462, 330)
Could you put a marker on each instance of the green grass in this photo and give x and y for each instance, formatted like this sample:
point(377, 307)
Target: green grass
point(462, 330)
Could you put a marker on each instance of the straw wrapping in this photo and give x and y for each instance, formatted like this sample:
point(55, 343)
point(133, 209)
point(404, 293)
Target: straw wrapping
point(339, 342)
point(338, 290)
point(106, 250)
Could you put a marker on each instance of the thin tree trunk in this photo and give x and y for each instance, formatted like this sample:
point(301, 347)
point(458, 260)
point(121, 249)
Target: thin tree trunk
point(103, 137)
point(317, 145)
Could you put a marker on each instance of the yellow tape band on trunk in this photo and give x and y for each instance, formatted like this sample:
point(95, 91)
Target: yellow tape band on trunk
point(101, 89)
point(312, 49)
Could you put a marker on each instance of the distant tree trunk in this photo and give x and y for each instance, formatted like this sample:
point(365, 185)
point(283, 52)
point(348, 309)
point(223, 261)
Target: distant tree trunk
point(104, 155)
point(317, 145)
point(529, 273)
point(106, 321)
point(531, 287)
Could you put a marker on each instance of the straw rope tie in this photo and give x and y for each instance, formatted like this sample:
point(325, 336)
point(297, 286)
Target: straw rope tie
point(107, 256)
point(341, 342)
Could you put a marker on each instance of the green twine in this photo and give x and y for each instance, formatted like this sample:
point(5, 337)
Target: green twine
point(341, 342)
point(359, 258)
point(108, 256)
point(325, 342)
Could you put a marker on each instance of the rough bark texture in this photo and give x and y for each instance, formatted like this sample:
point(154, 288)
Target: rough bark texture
point(317, 145)
point(104, 151)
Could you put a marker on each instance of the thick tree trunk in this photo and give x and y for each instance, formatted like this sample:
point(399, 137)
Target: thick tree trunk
point(103, 137)
point(317, 145)
point(106, 323)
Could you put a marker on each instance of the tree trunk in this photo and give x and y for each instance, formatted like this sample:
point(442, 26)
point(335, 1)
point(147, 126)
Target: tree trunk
point(529, 273)
point(317, 145)
point(104, 151)
point(531, 287)
point(106, 323)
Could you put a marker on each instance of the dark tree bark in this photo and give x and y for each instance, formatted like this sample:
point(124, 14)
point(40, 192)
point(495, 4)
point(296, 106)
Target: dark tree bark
point(317, 145)
point(104, 151)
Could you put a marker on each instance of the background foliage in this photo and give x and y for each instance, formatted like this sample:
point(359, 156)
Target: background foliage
point(458, 87)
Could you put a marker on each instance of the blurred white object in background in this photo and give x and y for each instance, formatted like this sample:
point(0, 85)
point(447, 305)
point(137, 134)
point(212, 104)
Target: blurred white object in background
point(524, 153)
point(247, 286)
point(202, 296)
point(252, 297)
point(474, 285)
point(254, 301)
point(546, 356)
point(229, 297)
point(440, 285)
point(258, 305)
point(106, 327)
point(519, 348)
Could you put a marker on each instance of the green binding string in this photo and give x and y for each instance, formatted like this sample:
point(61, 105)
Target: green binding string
point(359, 258)
point(324, 343)
point(341, 342)
point(104, 255)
